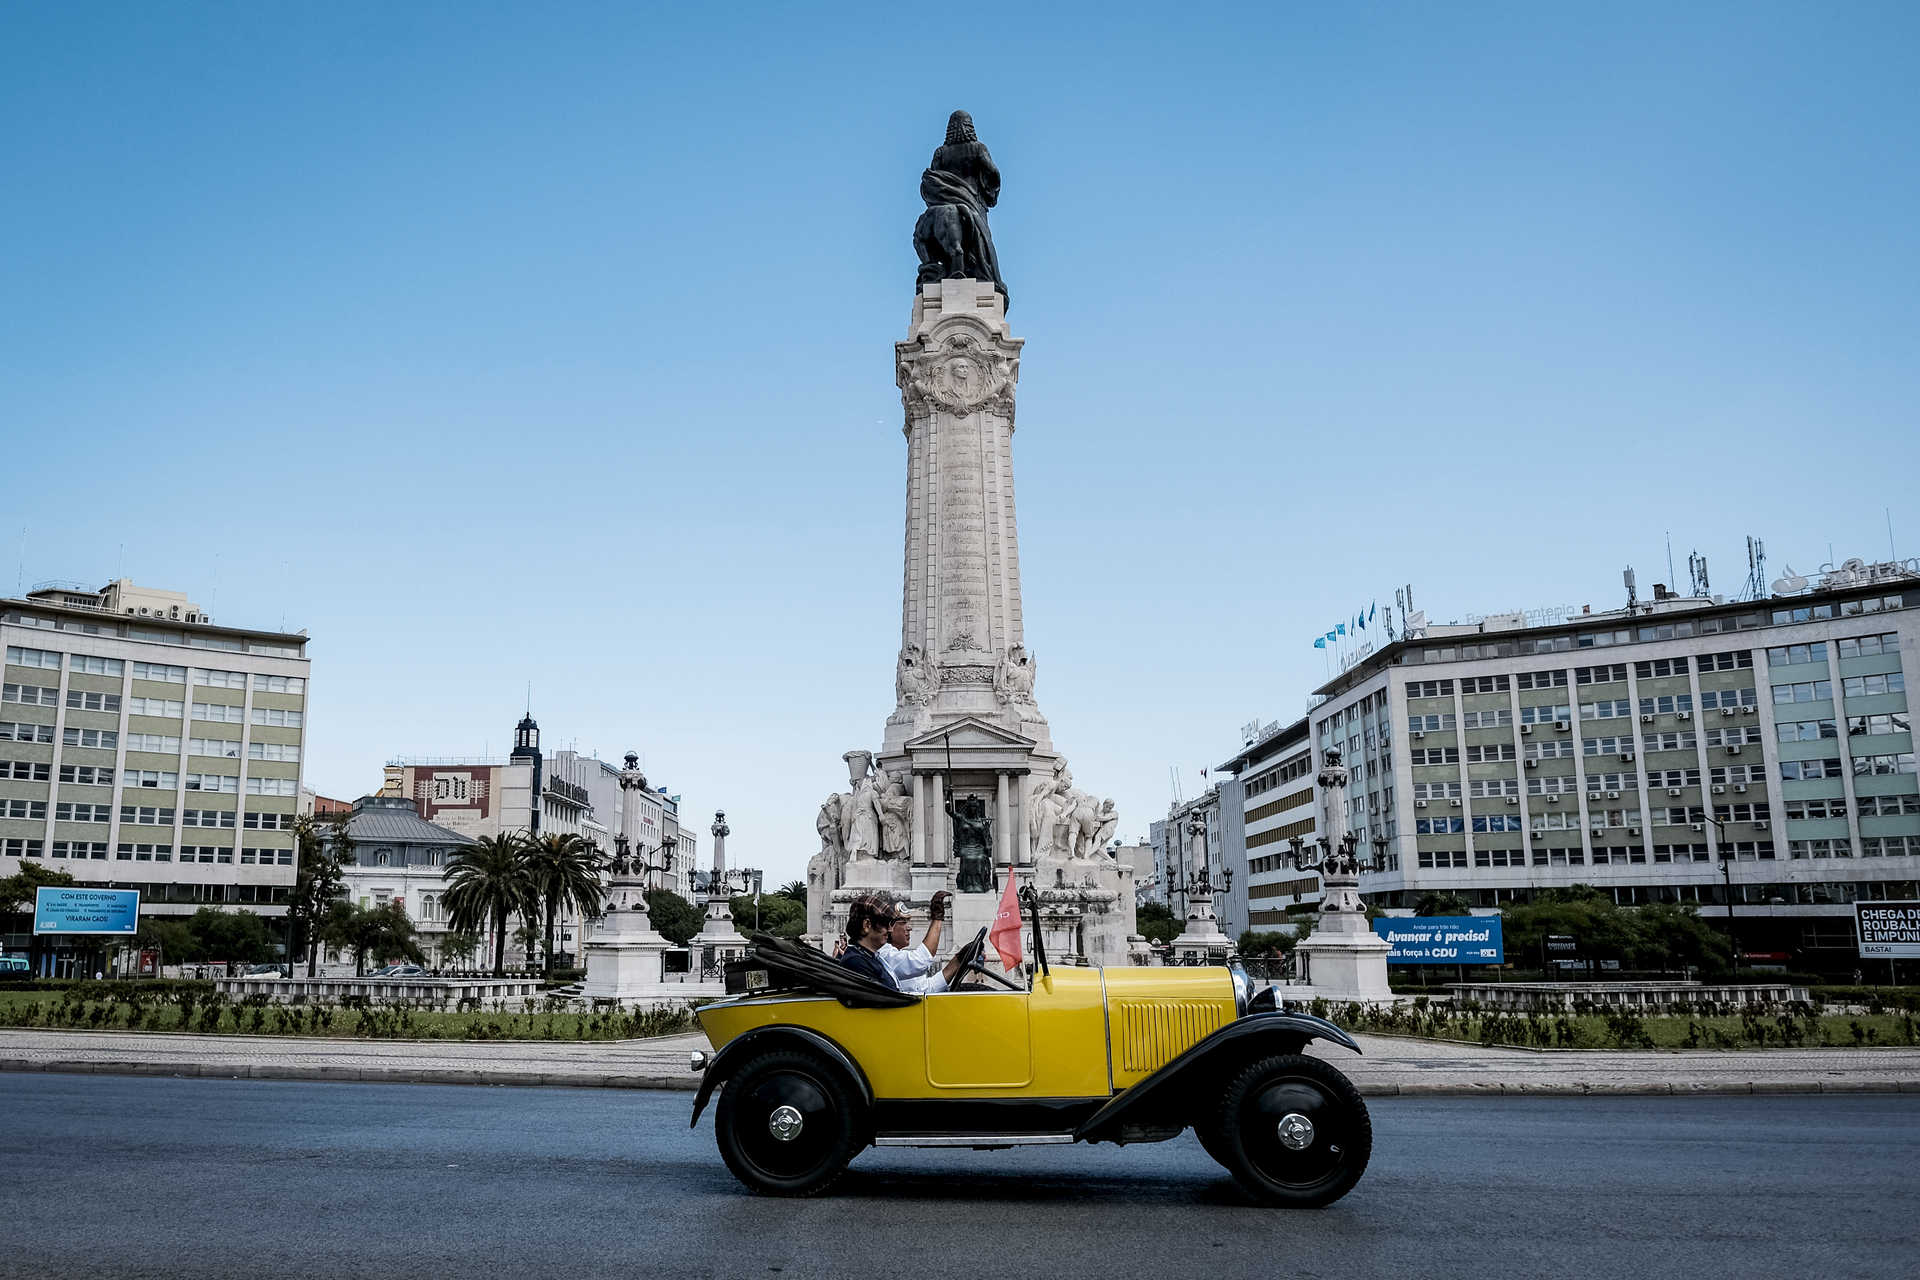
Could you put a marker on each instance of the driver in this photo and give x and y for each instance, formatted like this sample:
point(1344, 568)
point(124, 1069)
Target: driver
point(913, 967)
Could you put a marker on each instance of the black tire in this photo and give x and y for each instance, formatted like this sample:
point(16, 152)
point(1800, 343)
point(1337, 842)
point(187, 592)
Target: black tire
point(827, 1136)
point(1248, 1127)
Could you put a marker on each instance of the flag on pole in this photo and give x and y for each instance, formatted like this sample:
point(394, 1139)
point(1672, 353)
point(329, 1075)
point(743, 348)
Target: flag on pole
point(1005, 934)
point(1321, 643)
point(1360, 621)
point(1372, 609)
point(1340, 628)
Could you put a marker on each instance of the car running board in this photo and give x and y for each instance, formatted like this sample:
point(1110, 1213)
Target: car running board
point(978, 1141)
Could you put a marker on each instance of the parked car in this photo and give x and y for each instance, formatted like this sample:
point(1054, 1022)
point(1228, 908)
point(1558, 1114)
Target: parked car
point(400, 971)
point(814, 1063)
point(266, 971)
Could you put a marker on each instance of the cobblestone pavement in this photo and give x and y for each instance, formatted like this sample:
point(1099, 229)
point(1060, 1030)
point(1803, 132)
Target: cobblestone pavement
point(1389, 1065)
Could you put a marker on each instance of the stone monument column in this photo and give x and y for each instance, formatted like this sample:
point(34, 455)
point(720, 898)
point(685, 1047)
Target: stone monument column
point(920, 820)
point(1344, 958)
point(624, 954)
point(1003, 823)
point(718, 931)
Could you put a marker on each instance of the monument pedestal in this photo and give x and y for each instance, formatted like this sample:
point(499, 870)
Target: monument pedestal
point(1343, 958)
point(624, 953)
point(1201, 942)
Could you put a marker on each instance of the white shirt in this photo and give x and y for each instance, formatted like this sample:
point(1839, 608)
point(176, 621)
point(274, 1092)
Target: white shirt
point(916, 971)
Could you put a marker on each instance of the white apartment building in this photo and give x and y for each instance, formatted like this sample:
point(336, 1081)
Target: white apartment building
point(1635, 750)
point(144, 747)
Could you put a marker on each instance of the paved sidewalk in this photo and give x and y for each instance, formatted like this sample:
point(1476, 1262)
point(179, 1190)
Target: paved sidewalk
point(1389, 1066)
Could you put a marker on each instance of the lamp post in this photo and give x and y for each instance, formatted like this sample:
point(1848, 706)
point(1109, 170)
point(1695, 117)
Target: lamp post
point(1726, 875)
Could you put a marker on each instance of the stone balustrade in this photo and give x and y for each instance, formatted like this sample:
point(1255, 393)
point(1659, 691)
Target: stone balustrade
point(1523, 997)
point(450, 992)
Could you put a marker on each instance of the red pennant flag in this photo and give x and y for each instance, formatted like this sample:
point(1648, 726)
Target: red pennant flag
point(1005, 934)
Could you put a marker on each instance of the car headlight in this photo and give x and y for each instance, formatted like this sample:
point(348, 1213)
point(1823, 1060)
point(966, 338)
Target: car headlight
point(1242, 987)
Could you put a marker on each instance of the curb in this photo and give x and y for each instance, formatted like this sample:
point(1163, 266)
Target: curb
point(687, 1082)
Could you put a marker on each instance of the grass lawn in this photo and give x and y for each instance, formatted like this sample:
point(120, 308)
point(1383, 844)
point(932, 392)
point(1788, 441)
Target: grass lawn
point(47, 1009)
point(1602, 1031)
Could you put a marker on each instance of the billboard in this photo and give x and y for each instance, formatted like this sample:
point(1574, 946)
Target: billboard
point(1442, 939)
point(1888, 930)
point(77, 910)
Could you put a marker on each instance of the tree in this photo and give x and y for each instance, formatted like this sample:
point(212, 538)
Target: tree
point(383, 932)
point(17, 896)
point(170, 937)
point(457, 949)
point(1442, 904)
point(319, 883)
point(673, 917)
point(1264, 943)
point(778, 915)
point(566, 872)
point(795, 890)
point(229, 935)
point(487, 882)
point(1157, 923)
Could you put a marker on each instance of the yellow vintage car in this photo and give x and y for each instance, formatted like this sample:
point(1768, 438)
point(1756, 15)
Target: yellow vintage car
point(814, 1063)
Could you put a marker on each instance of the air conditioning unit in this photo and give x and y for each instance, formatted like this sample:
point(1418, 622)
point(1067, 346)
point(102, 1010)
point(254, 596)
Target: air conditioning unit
point(1419, 733)
point(1719, 790)
point(1533, 764)
point(1613, 795)
point(1762, 824)
point(1513, 799)
point(1600, 830)
point(1633, 831)
point(1699, 826)
point(1734, 750)
point(1626, 755)
point(1740, 787)
point(1562, 725)
point(1455, 803)
point(1593, 797)
point(1673, 791)
point(1726, 711)
point(1686, 715)
point(1419, 804)
point(1553, 799)
point(1526, 728)
point(1646, 719)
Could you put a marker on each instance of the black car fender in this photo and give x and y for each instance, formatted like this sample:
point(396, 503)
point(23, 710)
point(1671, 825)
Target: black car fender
point(760, 1039)
point(1167, 1096)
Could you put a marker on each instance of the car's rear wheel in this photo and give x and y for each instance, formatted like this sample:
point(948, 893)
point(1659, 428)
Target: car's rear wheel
point(787, 1124)
point(1293, 1132)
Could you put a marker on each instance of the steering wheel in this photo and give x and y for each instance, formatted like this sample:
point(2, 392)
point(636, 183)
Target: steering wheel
point(969, 958)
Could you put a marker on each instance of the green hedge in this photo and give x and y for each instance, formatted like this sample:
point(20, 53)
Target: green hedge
point(127, 989)
point(1907, 998)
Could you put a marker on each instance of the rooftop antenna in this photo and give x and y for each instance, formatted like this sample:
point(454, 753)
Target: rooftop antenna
point(1697, 574)
point(1173, 772)
point(1891, 553)
point(1670, 574)
point(1756, 569)
point(1632, 600)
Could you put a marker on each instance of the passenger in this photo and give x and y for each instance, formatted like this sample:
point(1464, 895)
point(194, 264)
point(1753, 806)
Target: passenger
point(868, 919)
point(913, 967)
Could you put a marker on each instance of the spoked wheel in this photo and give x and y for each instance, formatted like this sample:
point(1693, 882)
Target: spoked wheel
point(1293, 1132)
point(786, 1124)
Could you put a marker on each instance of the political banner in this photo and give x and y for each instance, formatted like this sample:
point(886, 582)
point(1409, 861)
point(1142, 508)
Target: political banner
point(1888, 930)
point(1442, 939)
point(78, 910)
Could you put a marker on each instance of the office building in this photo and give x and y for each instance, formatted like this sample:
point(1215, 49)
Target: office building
point(144, 747)
point(1635, 749)
point(1273, 799)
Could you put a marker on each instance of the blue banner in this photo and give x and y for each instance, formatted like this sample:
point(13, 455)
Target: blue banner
point(1442, 939)
point(76, 910)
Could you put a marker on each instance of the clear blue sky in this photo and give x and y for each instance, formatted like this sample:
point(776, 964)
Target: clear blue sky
point(500, 344)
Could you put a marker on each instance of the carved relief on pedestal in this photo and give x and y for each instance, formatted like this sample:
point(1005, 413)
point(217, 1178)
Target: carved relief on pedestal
point(957, 369)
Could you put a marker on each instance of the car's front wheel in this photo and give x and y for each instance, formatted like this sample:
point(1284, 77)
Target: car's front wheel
point(1293, 1132)
point(787, 1124)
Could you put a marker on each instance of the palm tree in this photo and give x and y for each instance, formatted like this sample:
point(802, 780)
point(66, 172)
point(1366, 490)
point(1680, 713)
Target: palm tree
point(488, 881)
point(566, 872)
point(793, 890)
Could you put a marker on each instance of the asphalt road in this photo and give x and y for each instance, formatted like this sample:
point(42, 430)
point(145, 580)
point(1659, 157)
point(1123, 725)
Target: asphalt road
point(119, 1176)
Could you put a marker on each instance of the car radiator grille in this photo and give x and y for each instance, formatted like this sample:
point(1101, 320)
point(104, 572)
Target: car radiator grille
point(1151, 1033)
